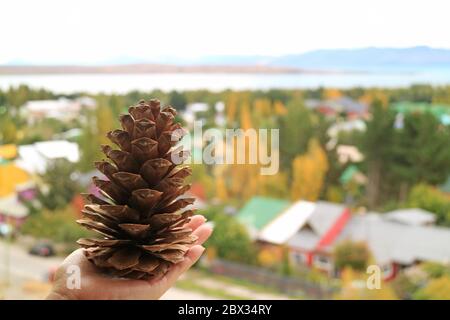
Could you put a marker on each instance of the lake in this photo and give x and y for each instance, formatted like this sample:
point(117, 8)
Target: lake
point(121, 83)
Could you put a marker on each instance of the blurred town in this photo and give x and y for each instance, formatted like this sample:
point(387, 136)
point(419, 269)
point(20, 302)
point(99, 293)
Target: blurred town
point(364, 180)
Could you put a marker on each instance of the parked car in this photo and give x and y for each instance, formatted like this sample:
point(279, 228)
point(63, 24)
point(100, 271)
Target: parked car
point(42, 249)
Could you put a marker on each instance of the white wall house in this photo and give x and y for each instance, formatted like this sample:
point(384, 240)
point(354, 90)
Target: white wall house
point(62, 109)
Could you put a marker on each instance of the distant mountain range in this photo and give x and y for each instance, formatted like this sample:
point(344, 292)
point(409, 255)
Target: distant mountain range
point(368, 58)
point(327, 60)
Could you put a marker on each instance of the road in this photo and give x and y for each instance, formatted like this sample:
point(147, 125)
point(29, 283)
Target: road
point(27, 277)
point(20, 264)
point(27, 274)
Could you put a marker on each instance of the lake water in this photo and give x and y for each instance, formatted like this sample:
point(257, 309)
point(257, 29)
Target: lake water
point(121, 83)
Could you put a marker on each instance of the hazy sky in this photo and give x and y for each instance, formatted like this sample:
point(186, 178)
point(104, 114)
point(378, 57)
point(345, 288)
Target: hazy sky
point(47, 31)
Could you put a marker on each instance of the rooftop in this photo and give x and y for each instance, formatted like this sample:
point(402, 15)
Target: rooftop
point(394, 242)
point(441, 111)
point(12, 207)
point(414, 216)
point(288, 223)
point(259, 211)
point(319, 217)
point(324, 216)
point(34, 158)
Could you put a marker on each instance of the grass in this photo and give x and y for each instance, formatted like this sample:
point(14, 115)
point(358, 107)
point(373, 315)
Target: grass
point(240, 282)
point(190, 285)
point(204, 273)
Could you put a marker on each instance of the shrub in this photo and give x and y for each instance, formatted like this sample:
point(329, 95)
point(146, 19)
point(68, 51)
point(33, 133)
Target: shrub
point(58, 226)
point(351, 254)
point(436, 289)
point(431, 199)
point(230, 239)
point(435, 270)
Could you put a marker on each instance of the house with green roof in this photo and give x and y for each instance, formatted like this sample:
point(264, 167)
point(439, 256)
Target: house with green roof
point(259, 211)
point(440, 111)
point(352, 173)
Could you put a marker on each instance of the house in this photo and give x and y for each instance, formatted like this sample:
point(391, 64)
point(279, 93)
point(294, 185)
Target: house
point(413, 217)
point(310, 245)
point(343, 126)
point(16, 173)
point(440, 111)
point(12, 210)
point(220, 119)
point(259, 211)
point(399, 243)
point(35, 158)
point(62, 109)
point(308, 229)
point(333, 107)
point(193, 112)
point(352, 174)
point(10, 177)
point(348, 153)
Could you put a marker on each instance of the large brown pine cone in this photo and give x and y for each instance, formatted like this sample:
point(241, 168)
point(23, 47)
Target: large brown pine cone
point(141, 215)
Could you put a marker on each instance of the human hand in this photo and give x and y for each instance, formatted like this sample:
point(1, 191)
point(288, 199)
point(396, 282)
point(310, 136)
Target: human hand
point(96, 285)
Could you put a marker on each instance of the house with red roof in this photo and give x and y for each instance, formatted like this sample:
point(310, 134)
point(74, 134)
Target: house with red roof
point(309, 230)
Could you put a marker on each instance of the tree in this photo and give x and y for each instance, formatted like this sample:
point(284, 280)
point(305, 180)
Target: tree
point(422, 151)
point(435, 269)
point(377, 145)
point(8, 131)
point(279, 108)
point(309, 172)
point(331, 94)
point(296, 129)
point(59, 226)
point(221, 188)
point(177, 100)
point(97, 125)
point(89, 149)
point(351, 254)
point(231, 108)
point(58, 185)
point(201, 176)
point(230, 239)
point(105, 122)
point(274, 186)
point(246, 117)
point(262, 113)
point(429, 198)
point(371, 95)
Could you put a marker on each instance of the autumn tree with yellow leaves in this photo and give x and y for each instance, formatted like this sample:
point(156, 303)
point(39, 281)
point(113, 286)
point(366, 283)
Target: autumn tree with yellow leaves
point(309, 172)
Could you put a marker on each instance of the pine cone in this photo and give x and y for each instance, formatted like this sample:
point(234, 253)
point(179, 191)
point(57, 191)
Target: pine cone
point(141, 214)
